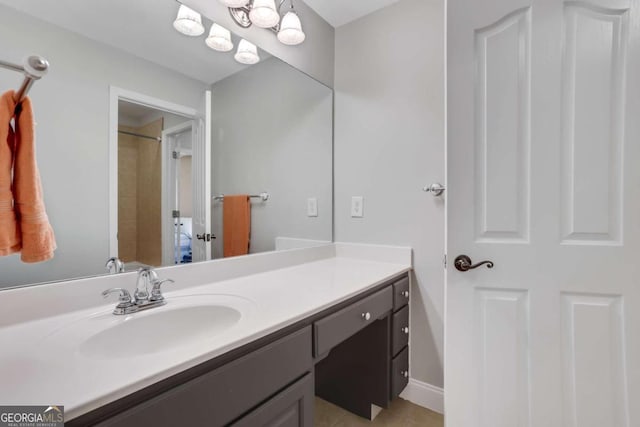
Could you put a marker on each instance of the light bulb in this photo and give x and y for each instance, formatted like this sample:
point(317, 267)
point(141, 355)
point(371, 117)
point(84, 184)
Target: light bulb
point(188, 22)
point(264, 14)
point(291, 30)
point(219, 39)
point(247, 53)
point(234, 3)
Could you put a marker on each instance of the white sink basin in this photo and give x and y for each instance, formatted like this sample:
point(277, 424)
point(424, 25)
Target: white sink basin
point(184, 321)
point(160, 330)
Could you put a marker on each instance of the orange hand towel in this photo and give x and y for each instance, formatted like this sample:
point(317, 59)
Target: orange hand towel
point(38, 241)
point(9, 231)
point(236, 218)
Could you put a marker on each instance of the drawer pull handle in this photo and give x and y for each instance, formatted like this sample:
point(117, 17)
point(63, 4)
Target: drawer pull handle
point(405, 294)
point(366, 316)
point(404, 374)
point(405, 330)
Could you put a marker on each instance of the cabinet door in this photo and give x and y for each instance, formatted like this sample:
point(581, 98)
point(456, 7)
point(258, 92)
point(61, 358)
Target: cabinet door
point(293, 407)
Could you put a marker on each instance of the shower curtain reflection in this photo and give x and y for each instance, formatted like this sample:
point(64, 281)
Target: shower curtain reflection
point(139, 177)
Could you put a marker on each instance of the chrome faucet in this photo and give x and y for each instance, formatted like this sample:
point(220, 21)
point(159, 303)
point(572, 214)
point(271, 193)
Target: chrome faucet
point(114, 265)
point(142, 299)
point(146, 276)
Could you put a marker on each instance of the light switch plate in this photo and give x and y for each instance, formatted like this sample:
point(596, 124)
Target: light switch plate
point(357, 207)
point(312, 206)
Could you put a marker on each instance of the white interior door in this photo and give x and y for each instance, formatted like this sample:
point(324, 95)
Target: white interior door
point(169, 197)
point(201, 167)
point(543, 153)
point(173, 148)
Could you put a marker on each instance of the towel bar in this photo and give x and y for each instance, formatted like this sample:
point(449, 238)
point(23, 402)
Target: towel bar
point(263, 196)
point(34, 68)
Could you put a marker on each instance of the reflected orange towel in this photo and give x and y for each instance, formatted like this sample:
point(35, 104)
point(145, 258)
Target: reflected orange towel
point(9, 231)
point(38, 241)
point(236, 218)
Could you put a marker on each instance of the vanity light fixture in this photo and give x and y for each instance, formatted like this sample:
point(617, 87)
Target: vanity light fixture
point(188, 22)
point(290, 32)
point(247, 53)
point(265, 14)
point(219, 39)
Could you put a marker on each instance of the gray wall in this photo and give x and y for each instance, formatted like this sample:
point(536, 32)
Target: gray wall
point(315, 56)
point(389, 143)
point(72, 112)
point(272, 131)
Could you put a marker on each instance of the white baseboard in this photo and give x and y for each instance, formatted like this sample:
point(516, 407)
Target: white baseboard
point(425, 395)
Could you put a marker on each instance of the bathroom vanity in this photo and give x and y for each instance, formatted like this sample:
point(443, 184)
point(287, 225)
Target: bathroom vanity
point(329, 321)
point(275, 378)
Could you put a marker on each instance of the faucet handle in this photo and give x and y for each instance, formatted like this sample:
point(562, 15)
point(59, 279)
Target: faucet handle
point(125, 296)
point(156, 291)
point(124, 301)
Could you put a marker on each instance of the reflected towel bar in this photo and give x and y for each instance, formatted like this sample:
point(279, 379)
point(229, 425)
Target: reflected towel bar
point(263, 196)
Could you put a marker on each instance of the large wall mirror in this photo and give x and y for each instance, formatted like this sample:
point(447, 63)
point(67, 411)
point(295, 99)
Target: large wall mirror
point(159, 150)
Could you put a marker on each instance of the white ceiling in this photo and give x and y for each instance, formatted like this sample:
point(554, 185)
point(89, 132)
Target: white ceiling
point(142, 28)
point(340, 12)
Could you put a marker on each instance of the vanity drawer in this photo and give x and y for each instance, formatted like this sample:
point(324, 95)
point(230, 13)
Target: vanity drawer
point(400, 293)
point(339, 326)
point(400, 330)
point(399, 372)
point(226, 393)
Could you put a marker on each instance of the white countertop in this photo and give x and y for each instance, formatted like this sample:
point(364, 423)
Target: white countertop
point(40, 363)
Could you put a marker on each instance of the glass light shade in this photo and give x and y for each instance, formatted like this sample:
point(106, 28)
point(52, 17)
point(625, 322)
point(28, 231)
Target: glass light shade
point(291, 30)
point(188, 22)
point(264, 14)
point(247, 53)
point(219, 39)
point(234, 3)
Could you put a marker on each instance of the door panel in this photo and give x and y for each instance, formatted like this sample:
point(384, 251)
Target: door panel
point(502, 129)
point(542, 180)
point(502, 347)
point(593, 336)
point(593, 123)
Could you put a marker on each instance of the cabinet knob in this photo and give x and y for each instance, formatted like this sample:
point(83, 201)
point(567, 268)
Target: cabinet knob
point(405, 329)
point(404, 374)
point(366, 316)
point(405, 294)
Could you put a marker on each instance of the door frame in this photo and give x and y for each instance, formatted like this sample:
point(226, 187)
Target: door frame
point(119, 94)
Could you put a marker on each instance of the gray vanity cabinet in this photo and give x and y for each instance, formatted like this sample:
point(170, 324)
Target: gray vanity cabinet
point(354, 354)
point(366, 346)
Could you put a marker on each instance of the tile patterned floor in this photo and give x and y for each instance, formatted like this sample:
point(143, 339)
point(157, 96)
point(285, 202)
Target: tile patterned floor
point(401, 413)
